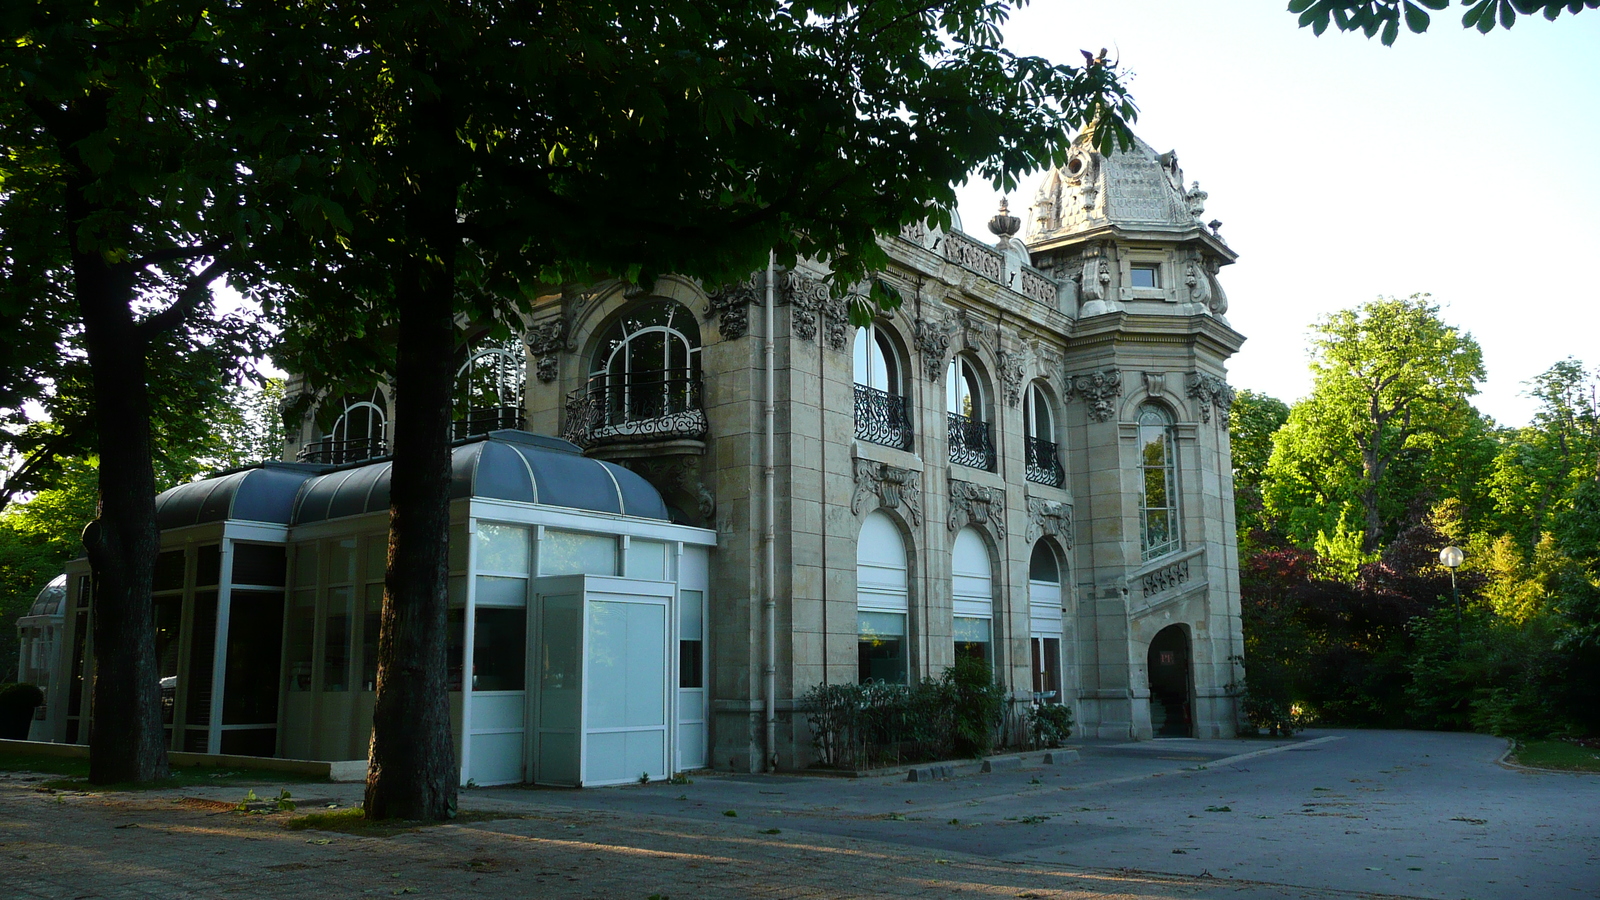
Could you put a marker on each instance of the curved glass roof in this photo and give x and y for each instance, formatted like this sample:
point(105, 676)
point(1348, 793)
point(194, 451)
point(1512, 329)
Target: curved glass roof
point(504, 465)
point(52, 599)
point(262, 494)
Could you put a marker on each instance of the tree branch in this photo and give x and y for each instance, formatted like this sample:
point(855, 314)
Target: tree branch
point(188, 299)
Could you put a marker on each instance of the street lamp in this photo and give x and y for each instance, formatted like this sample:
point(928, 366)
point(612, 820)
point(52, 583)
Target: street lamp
point(1451, 558)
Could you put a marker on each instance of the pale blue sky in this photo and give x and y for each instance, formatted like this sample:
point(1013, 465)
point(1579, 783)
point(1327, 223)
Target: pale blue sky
point(1454, 163)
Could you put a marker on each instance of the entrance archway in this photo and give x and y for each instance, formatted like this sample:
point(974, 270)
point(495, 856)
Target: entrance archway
point(1171, 683)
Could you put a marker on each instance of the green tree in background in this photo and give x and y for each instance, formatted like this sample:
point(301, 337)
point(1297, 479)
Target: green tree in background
point(1390, 397)
point(1252, 421)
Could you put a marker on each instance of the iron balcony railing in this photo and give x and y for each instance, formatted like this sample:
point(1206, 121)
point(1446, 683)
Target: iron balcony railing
point(1044, 462)
point(636, 406)
point(970, 444)
point(883, 418)
point(328, 451)
point(487, 419)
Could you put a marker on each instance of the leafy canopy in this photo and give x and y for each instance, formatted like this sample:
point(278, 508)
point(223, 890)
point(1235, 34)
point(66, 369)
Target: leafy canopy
point(1381, 18)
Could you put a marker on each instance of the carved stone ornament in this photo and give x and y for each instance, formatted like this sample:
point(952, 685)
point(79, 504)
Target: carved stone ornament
point(1100, 391)
point(1049, 518)
point(1155, 383)
point(933, 342)
point(892, 486)
point(1166, 578)
point(806, 297)
point(545, 340)
point(836, 319)
point(1012, 371)
point(974, 504)
point(730, 304)
point(976, 334)
point(1209, 391)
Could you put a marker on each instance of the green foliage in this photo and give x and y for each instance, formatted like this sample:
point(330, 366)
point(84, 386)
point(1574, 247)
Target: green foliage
point(1382, 18)
point(860, 726)
point(1251, 423)
point(1049, 724)
point(977, 705)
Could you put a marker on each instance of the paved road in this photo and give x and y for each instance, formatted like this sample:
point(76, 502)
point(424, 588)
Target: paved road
point(1331, 814)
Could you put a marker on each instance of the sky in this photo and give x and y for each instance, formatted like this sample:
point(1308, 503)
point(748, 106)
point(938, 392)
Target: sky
point(1453, 163)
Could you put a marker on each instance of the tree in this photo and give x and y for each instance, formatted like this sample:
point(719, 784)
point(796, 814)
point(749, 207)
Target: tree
point(1382, 17)
point(458, 155)
point(1540, 467)
point(127, 186)
point(1252, 421)
point(1390, 393)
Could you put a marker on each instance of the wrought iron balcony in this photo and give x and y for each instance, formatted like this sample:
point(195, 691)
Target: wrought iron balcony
point(328, 451)
point(970, 444)
point(635, 406)
point(883, 418)
point(1044, 462)
point(487, 419)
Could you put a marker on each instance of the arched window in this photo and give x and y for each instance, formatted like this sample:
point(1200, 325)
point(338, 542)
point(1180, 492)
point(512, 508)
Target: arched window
point(1043, 455)
point(883, 415)
point(1044, 620)
point(882, 601)
point(1158, 504)
point(488, 394)
point(972, 587)
point(970, 443)
point(644, 381)
point(361, 432)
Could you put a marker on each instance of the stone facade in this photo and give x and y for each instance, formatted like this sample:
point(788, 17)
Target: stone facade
point(1107, 315)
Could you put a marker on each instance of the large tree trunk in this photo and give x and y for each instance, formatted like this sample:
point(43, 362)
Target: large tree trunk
point(412, 773)
point(126, 740)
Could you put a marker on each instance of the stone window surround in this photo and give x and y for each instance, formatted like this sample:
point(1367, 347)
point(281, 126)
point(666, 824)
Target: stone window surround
point(1134, 256)
point(1185, 444)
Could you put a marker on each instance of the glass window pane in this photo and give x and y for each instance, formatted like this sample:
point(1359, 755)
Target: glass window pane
point(208, 569)
point(258, 564)
point(455, 647)
point(250, 692)
point(571, 553)
point(1155, 488)
point(305, 564)
point(377, 556)
point(498, 652)
point(336, 639)
point(691, 664)
point(875, 624)
point(202, 656)
point(495, 590)
point(880, 647)
point(341, 561)
point(502, 548)
point(647, 560)
point(975, 630)
point(691, 617)
point(371, 622)
point(1042, 566)
point(169, 571)
point(458, 548)
point(301, 629)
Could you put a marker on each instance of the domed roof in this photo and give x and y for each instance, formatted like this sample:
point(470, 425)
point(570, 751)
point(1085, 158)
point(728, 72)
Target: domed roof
point(52, 600)
point(1137, 189)
point(263, 493)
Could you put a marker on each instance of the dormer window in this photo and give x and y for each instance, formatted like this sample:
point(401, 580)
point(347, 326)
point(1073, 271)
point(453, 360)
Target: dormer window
point(1145, 276)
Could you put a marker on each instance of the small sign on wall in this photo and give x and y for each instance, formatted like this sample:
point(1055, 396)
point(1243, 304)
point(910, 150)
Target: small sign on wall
point(1168, 657)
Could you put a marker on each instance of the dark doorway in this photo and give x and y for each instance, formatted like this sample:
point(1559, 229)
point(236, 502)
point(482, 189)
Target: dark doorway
point(1170, 707)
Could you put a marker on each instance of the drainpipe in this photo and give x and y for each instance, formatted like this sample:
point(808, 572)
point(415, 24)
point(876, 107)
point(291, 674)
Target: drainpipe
point(769, 603)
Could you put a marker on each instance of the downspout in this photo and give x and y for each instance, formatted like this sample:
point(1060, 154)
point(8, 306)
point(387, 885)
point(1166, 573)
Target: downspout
point(769, 603)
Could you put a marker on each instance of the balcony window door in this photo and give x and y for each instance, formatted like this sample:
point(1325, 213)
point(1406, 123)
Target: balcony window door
point(882, 413)
point(645, 383)
point(489, 385)
point(1043, 454)
point(970, 442)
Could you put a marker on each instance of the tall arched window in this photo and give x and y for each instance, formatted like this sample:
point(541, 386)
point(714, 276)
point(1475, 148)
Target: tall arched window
point(1158, 504)
point(882, 414)
point(644, 381)
point(970, 444)
point(1043, 456)
point(361, 432)
point(972, 588)
point(488, 394)
point(1044, 620)
point(882, 601)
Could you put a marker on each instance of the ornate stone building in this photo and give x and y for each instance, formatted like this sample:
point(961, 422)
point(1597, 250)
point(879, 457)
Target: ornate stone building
point(1028, 460)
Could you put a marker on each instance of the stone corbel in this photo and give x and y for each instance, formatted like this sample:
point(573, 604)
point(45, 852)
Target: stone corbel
point(1208, 392)
point(932, 338)
point(1049, 518)
point(1012, 371)
point(892, 486)
point(1100, 391)
point(546, 339)
point(974, 504)
point(730, 305)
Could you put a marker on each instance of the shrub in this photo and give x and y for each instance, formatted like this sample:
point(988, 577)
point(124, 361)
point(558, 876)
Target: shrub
point(860, 726)
point(17, 703)
point(979, 706)
point(1049, 725)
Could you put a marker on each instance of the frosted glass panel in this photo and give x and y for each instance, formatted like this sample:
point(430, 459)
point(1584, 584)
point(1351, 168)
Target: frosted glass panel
point(971, 630)
point(627, 667)
point(558, 758)
point(570, 553)
point(496, 590)
point(498, 712)
point(606, 759)
point(502, 548)
point(691, 618)
point(647, 560)
point(880, 624)
point(496, 758)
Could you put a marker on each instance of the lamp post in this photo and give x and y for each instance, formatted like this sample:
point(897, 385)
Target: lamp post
point(1451, 558)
